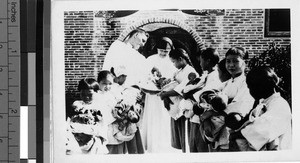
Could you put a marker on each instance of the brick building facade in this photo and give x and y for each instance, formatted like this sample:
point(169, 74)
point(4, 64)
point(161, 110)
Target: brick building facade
point(88, 35)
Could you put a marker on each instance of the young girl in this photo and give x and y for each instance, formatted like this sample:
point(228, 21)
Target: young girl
point(119, 142)
point(270, 125)
point(181, 61)
point(236, 90)
point(239, 98)
point(87, 126)
point(210, 80)
point(108, 102)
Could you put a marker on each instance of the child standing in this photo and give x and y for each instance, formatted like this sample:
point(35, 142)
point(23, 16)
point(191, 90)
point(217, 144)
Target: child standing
point(105, 98)
point(210, 80)
point(181, 61)
point(239, 98)
point(87, 126)
point(108, 102)
point(270, 126)
point(127, 139)
point(236, 90)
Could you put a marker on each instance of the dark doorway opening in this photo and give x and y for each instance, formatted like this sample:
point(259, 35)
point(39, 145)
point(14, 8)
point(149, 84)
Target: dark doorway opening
point(180, 38)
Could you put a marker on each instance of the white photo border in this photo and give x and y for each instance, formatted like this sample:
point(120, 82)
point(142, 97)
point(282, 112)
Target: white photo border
point(57, 77)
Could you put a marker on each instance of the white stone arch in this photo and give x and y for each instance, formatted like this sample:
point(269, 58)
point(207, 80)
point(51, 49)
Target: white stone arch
point(171, 21)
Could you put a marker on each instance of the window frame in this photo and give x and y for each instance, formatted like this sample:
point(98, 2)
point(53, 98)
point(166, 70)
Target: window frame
point(269, 33)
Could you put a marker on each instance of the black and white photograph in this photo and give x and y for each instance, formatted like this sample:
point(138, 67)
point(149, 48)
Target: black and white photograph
point(182, 82)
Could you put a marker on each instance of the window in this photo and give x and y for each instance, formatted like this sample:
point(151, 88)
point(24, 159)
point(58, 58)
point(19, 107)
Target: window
point(277, 23)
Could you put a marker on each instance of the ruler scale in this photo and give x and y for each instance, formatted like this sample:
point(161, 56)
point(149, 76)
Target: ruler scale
point(10, 81)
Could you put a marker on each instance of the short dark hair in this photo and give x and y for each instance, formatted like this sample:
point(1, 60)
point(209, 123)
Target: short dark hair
point(103, 74)
point(134, 120)
point(239, 51)
point(212, 54)
point(88, 83)
point(263, 75)
point(222, 67)
point(180, 53)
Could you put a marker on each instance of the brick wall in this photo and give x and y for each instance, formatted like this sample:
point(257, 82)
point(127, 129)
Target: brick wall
point(244, 27)
point(79, 61)
point(87, 38)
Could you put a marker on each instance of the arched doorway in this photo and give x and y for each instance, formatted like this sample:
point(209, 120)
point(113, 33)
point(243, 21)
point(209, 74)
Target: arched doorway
point(180, 38)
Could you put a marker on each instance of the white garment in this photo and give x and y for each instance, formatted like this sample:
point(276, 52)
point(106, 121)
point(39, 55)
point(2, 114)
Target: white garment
point(99, 129)
point(105, 101)
point(274, 123)
point(181, 76)
point(155, 129)
point(212, 82)
point(116, 90)
point(164, 65)
point(122, 54)
point(127, 96)
point(242, 102)
point(237, 90)
point(96, 145)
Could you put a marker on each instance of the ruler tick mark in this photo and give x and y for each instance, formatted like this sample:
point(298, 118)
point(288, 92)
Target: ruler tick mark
point(12, 45)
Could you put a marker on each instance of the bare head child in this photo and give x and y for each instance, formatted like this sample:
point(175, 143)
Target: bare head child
point(133, 116)
point(105, 80)
point(87, 88)
point(209, 58)
point(235, 63)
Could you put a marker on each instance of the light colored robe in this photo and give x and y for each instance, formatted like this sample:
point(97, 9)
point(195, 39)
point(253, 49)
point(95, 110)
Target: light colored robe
point(122, 54)
point(272, 125)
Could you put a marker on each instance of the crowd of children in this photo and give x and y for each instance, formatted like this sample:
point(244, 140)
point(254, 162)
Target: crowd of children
point(222, 109)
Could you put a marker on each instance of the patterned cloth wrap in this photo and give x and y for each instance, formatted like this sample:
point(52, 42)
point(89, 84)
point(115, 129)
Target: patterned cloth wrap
point(131, 101)
point(212, 119)
point(87, 128)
